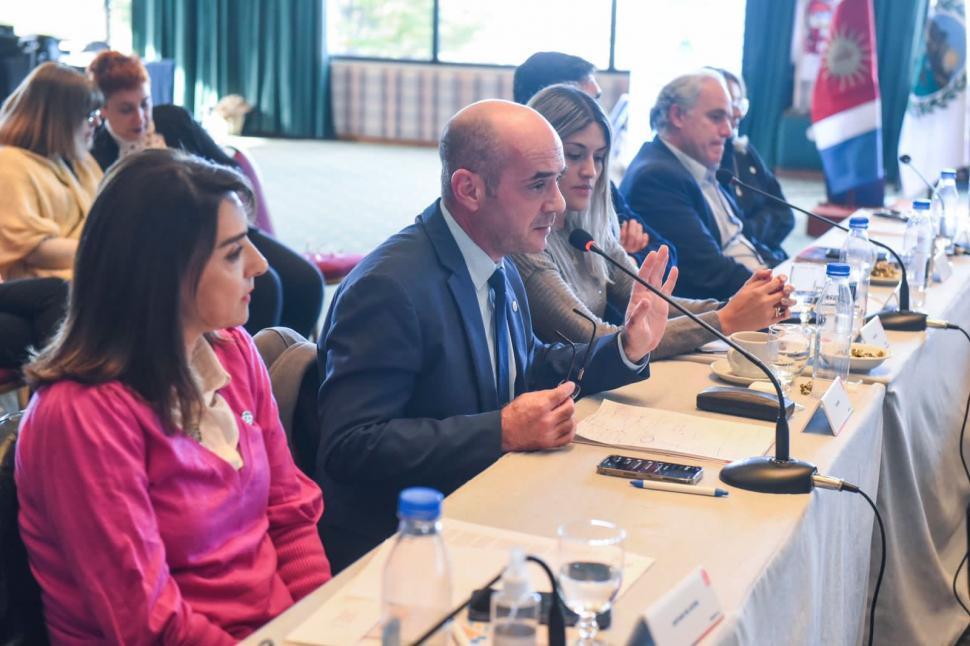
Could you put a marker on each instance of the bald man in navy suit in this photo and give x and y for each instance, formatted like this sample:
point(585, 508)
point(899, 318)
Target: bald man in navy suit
point(431, 369)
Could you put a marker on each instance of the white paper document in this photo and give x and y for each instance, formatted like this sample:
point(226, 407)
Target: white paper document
point(640, 428)
point(477, 553)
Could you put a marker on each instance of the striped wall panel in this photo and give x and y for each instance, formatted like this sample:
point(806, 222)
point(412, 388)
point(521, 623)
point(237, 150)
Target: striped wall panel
point(404, 102)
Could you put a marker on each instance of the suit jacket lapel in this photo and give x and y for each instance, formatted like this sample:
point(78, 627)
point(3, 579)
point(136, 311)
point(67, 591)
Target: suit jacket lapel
point(706, 213)
point(463, 291)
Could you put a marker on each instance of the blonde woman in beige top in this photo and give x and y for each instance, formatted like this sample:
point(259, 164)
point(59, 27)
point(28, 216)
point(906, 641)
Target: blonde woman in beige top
point(48, 179)
point(561, 278)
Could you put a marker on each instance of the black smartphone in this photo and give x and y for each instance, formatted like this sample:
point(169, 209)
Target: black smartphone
point(623, 466)
point(481, 607)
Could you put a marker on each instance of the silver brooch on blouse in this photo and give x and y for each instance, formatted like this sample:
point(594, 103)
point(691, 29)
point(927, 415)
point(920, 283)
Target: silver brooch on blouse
point(247, 417)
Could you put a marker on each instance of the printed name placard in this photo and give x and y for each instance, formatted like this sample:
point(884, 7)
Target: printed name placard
point(873, 333)
point(682, 616)
point(836, 405)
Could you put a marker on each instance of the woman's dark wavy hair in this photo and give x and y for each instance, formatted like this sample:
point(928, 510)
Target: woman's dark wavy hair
point(146, 240)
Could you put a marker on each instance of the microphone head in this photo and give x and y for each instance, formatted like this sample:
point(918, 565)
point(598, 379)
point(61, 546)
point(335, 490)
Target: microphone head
point(724, 176)
point(905, 159)
point(581, 239)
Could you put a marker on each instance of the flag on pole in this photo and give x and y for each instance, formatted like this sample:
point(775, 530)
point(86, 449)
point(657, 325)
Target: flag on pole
point(934, 130)
point(847, 111)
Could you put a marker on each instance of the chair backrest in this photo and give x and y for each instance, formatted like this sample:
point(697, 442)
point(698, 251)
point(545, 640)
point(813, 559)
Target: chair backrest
point(292, 364)
point(21, 609)
point(263, 220)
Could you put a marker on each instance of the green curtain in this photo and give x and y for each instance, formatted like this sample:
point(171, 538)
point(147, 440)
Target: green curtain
point(769, 73)
point(272, 52)
point(899, 34)
point(767, 70)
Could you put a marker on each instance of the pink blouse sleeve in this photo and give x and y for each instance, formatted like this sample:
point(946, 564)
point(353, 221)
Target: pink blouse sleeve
point(295, 501)
point(102, 519)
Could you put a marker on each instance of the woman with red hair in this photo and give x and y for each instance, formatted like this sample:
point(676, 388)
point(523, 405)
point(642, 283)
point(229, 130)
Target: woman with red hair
point(291, 292)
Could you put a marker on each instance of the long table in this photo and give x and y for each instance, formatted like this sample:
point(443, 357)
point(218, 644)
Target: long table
point(787, 569)
point(923, 489)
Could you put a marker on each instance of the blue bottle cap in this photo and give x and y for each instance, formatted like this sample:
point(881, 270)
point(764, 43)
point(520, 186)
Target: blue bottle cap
point(419, 503)
point(860, 222)
point(837, 269)
point(948, 173)
point(921, 205)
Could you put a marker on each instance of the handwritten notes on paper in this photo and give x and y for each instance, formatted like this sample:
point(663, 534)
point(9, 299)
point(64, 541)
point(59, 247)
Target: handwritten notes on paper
point(648, 429)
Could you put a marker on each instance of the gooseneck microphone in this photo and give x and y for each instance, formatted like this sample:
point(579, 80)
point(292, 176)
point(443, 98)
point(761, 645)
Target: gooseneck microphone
point(908, 161)
point(903, 319)
point(778, 474)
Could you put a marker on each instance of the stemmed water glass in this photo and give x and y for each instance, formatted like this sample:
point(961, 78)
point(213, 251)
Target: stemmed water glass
point(590, 571)
point(793, 347)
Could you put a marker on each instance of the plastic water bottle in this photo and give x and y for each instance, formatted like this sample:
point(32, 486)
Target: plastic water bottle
point(417, 575)
point(833, 315)
point(515, 608)
point(944, 212)
point(858, 254)
point(918, 251)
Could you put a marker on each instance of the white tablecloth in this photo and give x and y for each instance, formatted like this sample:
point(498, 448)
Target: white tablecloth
point(787, 569)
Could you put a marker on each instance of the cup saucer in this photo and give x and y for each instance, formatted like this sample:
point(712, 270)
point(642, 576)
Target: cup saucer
point(722, 370)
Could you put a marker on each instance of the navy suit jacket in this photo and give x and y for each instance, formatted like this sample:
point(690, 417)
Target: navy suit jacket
point(408, 396)
point(624, 213)
point(659, 188)
point(763, 219)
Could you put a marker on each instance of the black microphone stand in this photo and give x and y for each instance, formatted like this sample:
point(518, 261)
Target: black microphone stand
point(907, 160)
point(778, 474)
point(903, 319)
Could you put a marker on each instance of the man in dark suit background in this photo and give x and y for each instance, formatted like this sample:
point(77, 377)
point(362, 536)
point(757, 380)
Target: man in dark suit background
point(672, 183)
point(431, 369)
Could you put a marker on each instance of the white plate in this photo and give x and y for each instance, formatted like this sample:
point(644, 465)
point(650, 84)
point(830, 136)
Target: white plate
point(884, 282)
point(859, 364)
point(722, 370)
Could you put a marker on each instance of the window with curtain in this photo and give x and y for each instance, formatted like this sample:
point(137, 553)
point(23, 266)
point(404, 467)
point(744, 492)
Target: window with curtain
point(380, 28)
point(506, 32)
point(81, 21)
point(685, 35)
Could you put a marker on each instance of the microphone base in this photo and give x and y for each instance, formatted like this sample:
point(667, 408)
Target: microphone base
point(902, 320)
point(768, 475)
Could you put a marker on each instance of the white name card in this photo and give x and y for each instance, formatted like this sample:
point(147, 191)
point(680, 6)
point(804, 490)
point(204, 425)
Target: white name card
point(682, 616)
point(836, 405)
point(873, 333)
point(942, 269)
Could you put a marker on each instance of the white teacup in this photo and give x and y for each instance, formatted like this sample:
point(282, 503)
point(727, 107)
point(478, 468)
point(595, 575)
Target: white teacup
point(760, 344)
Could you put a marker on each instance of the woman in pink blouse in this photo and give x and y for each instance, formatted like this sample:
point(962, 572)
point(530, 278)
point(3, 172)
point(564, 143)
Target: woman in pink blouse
point(158, 500)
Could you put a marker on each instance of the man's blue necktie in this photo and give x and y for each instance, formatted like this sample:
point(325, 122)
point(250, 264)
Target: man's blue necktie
point(500, 323)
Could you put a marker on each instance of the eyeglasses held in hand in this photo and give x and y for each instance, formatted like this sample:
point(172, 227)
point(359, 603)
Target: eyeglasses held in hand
point(94, 117)
point(572, 360)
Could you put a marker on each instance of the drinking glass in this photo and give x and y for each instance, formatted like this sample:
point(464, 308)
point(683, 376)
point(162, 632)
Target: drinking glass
point(590, 571)
point(807, 278)
point(794, 343)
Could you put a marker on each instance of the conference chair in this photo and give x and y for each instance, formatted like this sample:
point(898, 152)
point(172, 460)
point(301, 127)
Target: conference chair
point(21, 610)
point(292, 364)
